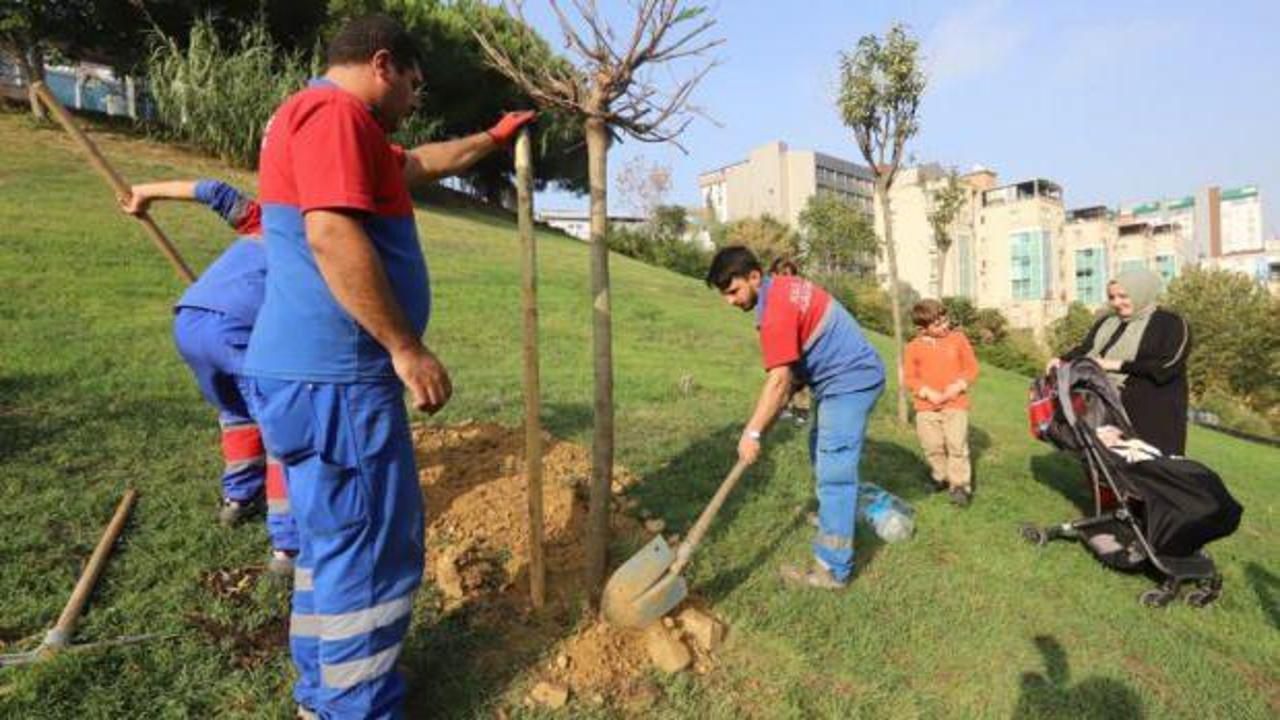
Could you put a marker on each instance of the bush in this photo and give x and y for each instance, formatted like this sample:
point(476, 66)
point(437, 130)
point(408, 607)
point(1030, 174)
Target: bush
point(218, 96)
point(960, 310)
point(864, 299)
point(1235, 414)
point(1069, 330)
point(665, 250)
point(1016, 351)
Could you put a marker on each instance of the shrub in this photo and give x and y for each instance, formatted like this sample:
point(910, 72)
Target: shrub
point(1235, 414)
point(218, 96)
point(1067, 331)
point(667, 250)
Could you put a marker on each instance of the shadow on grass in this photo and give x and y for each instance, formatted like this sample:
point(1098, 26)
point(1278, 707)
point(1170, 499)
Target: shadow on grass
point(23, 425)
point(1063, 473)
point(1267, 586)
point(1051, 695)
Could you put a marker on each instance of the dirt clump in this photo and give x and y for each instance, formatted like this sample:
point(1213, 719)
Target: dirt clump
point(473, 483)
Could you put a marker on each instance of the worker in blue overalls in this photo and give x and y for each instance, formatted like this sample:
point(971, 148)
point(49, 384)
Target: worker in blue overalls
point(212, 322)
point(338, 342)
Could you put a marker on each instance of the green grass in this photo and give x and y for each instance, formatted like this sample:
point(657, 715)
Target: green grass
point(962, 621)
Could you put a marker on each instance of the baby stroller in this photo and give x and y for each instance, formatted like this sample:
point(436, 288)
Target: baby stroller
point(1151, 512)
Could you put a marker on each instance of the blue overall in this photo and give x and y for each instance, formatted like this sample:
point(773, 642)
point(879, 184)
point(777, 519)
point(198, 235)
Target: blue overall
point(835, 449)
point(331, 406)
point(212, 323)
point(353, 489)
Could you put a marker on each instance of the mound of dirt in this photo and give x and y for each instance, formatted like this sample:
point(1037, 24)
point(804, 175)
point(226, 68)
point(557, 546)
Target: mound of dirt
point(472, 478)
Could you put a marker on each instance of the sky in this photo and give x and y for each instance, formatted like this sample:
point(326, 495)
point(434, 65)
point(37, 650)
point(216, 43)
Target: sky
point(1116, 101)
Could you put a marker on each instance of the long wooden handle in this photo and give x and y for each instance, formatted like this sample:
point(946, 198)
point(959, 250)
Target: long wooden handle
point(532, 392)
point(118, 185)
point(704, 520)
point(60, 635)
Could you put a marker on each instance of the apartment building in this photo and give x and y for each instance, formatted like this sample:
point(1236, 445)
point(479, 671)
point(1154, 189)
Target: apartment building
point(777, 181)
point(1019, 227)
point(920, 263)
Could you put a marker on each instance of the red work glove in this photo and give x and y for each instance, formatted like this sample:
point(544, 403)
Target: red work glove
point(505, 131)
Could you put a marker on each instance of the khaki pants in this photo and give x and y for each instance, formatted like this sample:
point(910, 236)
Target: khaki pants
point(944, 437)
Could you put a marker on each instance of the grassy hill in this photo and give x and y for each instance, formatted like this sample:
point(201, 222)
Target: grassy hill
point(963, 621)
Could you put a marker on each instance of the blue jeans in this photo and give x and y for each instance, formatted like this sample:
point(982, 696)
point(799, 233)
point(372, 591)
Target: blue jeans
point(835, 448)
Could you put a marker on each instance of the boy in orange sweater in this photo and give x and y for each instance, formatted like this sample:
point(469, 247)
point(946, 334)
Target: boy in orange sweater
point(939, 368)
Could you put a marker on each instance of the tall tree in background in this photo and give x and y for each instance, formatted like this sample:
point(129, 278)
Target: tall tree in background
point(613, 89)
point(840, 239)
point(644, 185)
point(945, 204)
point(881, 84)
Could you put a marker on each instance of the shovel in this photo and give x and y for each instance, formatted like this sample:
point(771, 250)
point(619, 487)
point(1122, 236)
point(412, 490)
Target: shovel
point(648, 585)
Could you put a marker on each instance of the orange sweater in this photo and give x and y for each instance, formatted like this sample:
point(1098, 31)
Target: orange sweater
point(936, 363)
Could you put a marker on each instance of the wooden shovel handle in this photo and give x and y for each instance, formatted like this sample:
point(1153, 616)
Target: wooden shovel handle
point(704, 520)
point(118, 185)
point(60, 635)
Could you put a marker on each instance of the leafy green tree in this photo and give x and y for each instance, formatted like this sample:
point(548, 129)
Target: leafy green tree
point(768, 238)
point(1067, 331)
point(881, 83)
point(839, 237)
point(1235, 329)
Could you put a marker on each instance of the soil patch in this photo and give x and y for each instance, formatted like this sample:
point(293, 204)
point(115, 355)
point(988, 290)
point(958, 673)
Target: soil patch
point(472, 478)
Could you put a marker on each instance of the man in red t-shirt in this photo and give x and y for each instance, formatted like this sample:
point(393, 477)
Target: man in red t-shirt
point(807, 337)
point(336, 343)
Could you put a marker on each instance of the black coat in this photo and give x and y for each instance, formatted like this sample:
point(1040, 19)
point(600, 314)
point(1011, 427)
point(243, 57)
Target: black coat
point(1155, 395)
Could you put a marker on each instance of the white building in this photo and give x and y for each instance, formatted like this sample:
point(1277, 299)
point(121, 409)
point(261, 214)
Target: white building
point(578, 222)
point(777, 181)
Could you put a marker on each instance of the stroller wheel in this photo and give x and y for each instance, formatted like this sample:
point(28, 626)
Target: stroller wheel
point(1158, 597)
point(1033, 534)
point(1206, 592)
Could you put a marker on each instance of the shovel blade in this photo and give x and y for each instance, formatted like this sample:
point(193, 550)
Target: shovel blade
point(641, 590)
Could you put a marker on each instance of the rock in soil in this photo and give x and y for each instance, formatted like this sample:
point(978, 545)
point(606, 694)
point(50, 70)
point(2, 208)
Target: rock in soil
point(551, 695)
point(707, 631)
point(668, 653)
point(448, 579)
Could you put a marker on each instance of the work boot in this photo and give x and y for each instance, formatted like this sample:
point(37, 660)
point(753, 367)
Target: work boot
point(281, 563)
point(817, 577)
point(960, 497)
point(231, 512)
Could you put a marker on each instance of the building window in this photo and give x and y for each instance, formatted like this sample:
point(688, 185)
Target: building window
point(1167, 268)
point(1091, 269)
point(1029, 264)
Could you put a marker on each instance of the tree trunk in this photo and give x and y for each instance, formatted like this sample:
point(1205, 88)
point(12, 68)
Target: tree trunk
point(891, 255)
point(532, 392)
point(31, 65)
point(942, 267)
point(602, 353)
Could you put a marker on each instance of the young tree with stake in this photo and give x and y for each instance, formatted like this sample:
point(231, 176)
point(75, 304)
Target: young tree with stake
point(613, 90)
point(881, 84)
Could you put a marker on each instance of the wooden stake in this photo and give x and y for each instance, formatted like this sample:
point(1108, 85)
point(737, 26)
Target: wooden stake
point(597, 134)
point(532, 392)
point(118, 185)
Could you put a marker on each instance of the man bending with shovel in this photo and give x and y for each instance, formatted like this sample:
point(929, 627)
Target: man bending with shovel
point(807, 337)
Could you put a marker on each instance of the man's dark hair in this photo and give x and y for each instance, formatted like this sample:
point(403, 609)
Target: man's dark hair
point(731, 262)
point(361, 38)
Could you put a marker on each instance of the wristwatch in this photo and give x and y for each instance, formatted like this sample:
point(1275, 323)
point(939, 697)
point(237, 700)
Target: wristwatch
point(753, 434)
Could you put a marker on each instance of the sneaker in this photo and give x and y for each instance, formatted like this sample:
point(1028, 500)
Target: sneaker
point(818, 578)
point(281, 563)
point(960, 497)
point(231, 512)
